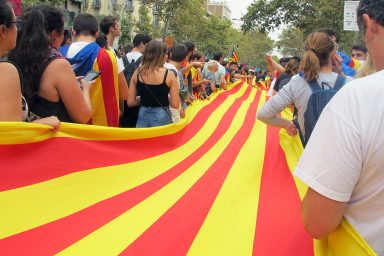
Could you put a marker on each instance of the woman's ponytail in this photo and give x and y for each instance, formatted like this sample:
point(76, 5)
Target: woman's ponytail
point(33, 33)
point(32, 49)
point(310, 64)
point(318, 49)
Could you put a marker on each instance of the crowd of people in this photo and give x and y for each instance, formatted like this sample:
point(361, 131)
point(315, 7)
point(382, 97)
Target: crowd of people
point(149, 84)
point(49, 75)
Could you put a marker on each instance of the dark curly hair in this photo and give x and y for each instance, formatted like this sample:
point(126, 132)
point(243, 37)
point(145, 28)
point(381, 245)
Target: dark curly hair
point(33, 48)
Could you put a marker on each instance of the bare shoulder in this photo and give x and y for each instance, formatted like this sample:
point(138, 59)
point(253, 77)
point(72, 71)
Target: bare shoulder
point(58, 73)
point(10, 75)
point(8, 68)
point(59, 65)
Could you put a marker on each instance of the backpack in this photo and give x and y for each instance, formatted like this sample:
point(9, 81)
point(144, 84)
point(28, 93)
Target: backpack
point(130, 114)
point(130, 67)
point(316, 103)
point(183, 91)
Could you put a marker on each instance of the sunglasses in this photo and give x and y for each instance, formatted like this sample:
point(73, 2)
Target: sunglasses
point(19, 23)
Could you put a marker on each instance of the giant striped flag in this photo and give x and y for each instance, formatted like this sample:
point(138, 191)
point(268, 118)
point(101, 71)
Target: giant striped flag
point(217, 183)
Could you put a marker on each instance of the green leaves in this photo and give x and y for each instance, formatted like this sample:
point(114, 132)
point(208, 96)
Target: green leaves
point(291, 42)
point(144, 25)
point(29, 3)
point(305, 15)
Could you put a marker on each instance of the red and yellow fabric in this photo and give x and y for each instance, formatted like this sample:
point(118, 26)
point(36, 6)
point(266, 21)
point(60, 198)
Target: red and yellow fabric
point(356, 64)
point(196, 77)
point(227, 76)
point(105, 91)
point(235, 57)
point(217, 183)
point(345, 240)
point(183, 65)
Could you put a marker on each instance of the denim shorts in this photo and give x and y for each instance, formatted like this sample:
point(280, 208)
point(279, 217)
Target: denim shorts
point(153, 116)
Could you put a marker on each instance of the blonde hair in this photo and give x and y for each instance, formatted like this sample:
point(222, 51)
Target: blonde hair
point(318, 49)
point(153, 56)
point(211, 65)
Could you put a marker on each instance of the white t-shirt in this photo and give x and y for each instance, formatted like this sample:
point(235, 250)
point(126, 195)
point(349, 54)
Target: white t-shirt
point(174, 112)
point(270, 91)
point(76, 47)
point(120, 63)
point(344, 159)
point(133, 56)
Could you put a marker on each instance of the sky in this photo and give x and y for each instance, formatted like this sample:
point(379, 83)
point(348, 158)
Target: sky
point(239, 8)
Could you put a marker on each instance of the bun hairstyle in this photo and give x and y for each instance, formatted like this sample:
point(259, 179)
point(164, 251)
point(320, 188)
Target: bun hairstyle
point(318, 49)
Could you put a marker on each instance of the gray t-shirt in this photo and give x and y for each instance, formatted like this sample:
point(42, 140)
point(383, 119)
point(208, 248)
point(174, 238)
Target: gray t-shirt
point(296, 92)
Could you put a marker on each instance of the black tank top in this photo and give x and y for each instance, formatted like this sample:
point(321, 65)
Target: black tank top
point(45, 108)
point(153, 95)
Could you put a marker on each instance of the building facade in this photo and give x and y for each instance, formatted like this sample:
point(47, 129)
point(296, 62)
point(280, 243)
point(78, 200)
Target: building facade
point(219, 9)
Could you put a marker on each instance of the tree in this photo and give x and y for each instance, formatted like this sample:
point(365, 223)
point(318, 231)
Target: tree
point(126, 29)
point(306, 15)
point(57, 3)
point(166, 10)
point(215, 35)
point(144, 25)
point(190, 19)
point(291, 42)
point(252, 48)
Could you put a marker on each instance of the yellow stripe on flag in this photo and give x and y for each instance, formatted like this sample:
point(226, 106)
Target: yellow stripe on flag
point(41, 203)
point(229, 228)
point(108, 240)
point(344, 241)
point(22, 133)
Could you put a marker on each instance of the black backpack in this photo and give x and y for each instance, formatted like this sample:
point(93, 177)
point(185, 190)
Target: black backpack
point(130, 114)
point(130, 67)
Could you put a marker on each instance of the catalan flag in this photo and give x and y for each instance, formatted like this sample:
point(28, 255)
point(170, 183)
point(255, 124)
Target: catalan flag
point(235, 57)
point(104, 93)
point(356, 64)
point(217, 183)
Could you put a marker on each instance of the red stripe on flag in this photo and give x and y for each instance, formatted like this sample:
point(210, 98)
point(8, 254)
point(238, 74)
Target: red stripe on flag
point(56, 236)
point(175, 231)
point(279, 230)
point(63, 156)
point(108, 84)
